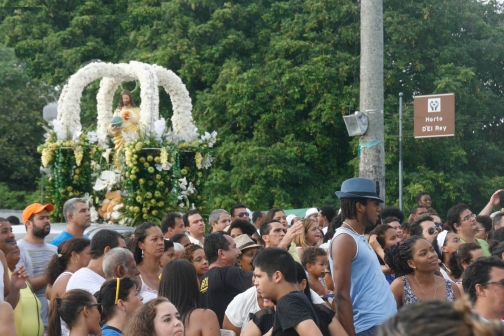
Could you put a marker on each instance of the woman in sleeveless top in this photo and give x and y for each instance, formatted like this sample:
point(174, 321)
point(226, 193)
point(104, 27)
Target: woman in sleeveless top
point(149, 247)
point(414, 263)
point(73, 254)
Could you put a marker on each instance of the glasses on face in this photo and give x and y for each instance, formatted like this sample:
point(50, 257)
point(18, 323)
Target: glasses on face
point(431, 231)
point(468, 217)
point(98, 306)
point(243, 214)
point(438, 224)
point(500, 283)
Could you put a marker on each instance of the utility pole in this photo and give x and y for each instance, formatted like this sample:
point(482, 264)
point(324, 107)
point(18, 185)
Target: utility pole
point(372, 151)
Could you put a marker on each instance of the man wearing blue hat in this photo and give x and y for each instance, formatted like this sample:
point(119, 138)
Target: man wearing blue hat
point(362, 293)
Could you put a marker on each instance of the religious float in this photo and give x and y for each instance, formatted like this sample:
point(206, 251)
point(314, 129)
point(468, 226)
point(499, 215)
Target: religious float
point(133, 167)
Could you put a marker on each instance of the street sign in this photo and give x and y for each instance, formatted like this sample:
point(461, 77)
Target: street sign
point(434, 116)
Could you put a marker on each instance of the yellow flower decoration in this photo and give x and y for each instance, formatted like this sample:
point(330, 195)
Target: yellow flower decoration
point(47, 156)
point(198, 159)
point(163, 157)
point(79, 154)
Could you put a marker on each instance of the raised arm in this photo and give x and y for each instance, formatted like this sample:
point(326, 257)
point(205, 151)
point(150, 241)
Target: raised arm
point(343, 251)
point(494, 201)
point(293, 231)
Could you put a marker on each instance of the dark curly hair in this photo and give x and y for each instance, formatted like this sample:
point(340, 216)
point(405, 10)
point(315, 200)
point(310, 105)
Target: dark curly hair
point(462, 254)
point(189, 251)
point(379, 231)
point(486, 221)
point(244, 225)
point(420, 194)
point(479, 273)
point(213, 243)
point(397, 256)
point(497, 249)
point(416, 227)
point(453, 215)
point(392, 212)
point(498, 235)
point(310, 255)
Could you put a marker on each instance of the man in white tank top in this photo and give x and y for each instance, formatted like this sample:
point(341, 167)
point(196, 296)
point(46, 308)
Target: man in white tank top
point(362, 293)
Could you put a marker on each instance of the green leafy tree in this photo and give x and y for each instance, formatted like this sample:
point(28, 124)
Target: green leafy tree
point(275, 77)
point(20, 132)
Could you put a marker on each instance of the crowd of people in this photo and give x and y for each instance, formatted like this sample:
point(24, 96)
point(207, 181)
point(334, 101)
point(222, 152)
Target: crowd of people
point(363, 270)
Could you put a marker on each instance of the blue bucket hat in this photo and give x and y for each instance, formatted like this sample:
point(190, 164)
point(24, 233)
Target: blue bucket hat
point(358, 187)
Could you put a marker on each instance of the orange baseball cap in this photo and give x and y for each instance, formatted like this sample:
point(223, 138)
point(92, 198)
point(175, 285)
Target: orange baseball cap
point(35, 208)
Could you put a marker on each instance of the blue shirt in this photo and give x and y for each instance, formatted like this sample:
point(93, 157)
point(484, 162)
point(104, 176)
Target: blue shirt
point(372, 300)
point(62, 237)
point(110, 331)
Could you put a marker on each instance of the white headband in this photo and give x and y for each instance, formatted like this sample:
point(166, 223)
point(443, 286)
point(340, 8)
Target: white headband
point(441, 237)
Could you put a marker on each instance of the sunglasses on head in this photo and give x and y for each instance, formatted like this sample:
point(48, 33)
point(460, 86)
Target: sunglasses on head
point(243, 214)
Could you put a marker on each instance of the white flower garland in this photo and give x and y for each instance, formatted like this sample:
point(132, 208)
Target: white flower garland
point(69, 102)
point(182, 120)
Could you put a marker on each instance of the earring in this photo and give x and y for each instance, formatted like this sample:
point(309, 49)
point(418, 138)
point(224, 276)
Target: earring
point(142, 253)
point(414, 267)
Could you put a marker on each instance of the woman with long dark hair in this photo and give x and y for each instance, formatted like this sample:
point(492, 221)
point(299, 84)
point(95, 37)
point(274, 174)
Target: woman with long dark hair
point(414, 264)
point(119, 299)
point(148, 249)
point(180, 285)
point(79, 310)
point(73, 254)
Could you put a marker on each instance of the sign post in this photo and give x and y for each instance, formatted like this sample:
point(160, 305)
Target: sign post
point(434, 116)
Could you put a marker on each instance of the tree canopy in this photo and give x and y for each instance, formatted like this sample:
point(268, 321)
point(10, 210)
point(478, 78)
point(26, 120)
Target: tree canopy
point(274, 78)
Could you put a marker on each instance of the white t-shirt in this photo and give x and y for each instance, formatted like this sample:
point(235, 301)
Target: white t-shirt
point(244, 304)
point(194, 240)
point(85, 279)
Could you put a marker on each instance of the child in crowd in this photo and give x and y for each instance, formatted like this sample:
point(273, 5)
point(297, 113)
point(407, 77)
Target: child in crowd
point(314, 260)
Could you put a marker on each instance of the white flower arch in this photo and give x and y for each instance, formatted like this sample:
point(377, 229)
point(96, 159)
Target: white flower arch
point(149, 76)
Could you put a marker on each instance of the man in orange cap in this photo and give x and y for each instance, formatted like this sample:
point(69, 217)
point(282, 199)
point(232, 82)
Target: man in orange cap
point(35, 253)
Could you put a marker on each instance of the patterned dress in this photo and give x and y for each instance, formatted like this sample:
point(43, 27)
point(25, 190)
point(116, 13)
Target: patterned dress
point(411, 298)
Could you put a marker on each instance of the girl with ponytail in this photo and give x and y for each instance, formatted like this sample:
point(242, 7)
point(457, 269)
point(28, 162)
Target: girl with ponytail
point(73, 254)
point(79, 310)
point(119, 298)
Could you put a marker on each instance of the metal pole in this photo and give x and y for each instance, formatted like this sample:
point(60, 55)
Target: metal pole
point(42, 187)
point(400, 154)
